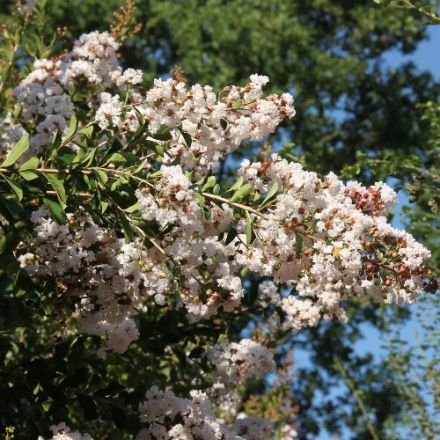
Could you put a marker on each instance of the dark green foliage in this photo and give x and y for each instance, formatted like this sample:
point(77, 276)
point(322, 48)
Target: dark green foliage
point(354, 114)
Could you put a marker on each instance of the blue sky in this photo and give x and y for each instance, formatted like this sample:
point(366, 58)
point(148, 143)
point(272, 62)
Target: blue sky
point(426, 57)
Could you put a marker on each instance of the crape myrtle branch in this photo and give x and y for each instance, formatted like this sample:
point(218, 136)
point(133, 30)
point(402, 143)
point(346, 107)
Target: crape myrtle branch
point(140, 223)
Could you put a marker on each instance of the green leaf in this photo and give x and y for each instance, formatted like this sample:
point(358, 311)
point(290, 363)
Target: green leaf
point(241, 193)
point(102, 176)
point(86, 131)
point(58, 186)
point(88, 159)
point(46, 405)
point(133, 208)
point(232, 233)
point(236, 185)
point(17, 151)
point(199, 199)
point(123, 158)
point(37, 389)
point(299, 241)
point(189, 174)
point(210, 183)
point(17, 190)
point(216, 189)
point(28, 175)
point(68, 158)
point(249, 230)
point(104, 206)
point(56, 210)
point(237, 104)
point(27, 169)
point(73, 125)
point(159, 149)
point(31, 164)
point(271, 193)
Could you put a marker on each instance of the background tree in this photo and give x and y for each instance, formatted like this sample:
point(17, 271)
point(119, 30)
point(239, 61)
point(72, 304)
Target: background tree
point(353, 114)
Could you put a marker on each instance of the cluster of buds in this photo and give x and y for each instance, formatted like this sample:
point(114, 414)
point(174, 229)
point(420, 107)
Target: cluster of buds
point(368, 200)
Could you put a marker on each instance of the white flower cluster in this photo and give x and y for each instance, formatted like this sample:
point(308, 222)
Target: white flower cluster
point(109, 111)
point(170, 417)
point(45, 94)
point(63, 432)
point(108, 278)
point(330, 241)
point(235, 363)
point(206, 278)
point(216, 125)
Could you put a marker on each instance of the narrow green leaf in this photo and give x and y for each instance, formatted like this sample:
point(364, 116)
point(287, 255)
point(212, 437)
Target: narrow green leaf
point(189, 174)
point(241, 192)
point(159, 149)
point(133, 208)
point(104, 206)
point(199, 199)
point(73, 125)
point(58, 186)
point(86, 131)
point(236, 185)
point(87, 160)
point(210, 183)
point(299, 240)
point(17, 151)
point(216, 189)
point(102, 176)
point(56, 210)
point(116, 184)
point(237, 104)
point(271, 193)
point(17, 190)
point(249, 230)
point(46, 405)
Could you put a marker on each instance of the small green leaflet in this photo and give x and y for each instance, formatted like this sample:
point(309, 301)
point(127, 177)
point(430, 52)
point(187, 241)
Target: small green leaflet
point(249, 230)
point(124, 157)
point(210, 183)
point(73, 125)
point(102, 176)
point(299, 240)
point(27, 169)
point(236, 185)
point(273, 190)
point(17, 151)
point(237, 104)
point(199, 199)
point(241, 192)
point(86, 131)
point(133, 208)
point(58, 186)
point(104, 206)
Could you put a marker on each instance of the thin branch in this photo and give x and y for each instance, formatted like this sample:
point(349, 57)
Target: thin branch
point(357, 396)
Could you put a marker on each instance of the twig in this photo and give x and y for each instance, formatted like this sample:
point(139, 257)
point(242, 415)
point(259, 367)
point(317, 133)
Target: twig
point(355, 392)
